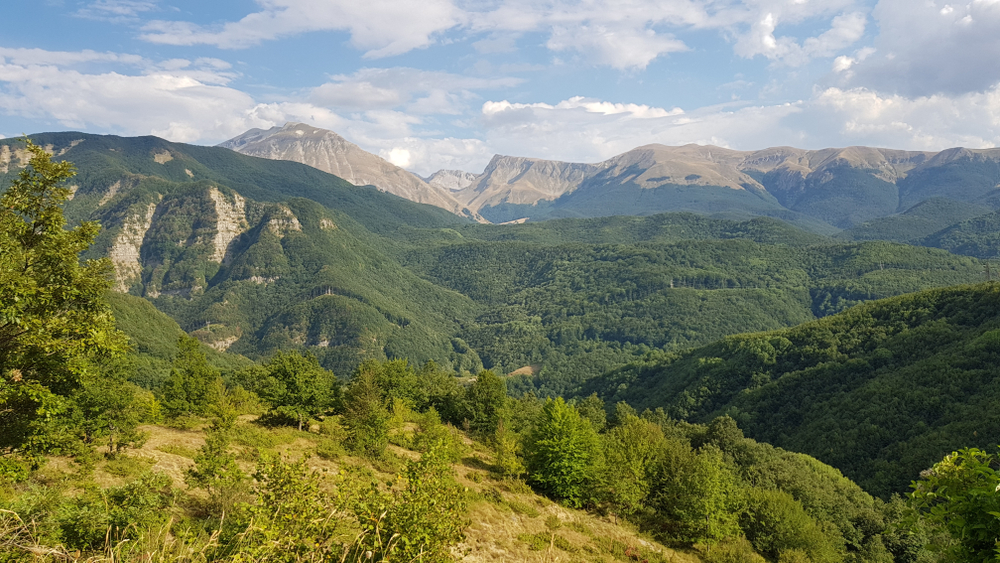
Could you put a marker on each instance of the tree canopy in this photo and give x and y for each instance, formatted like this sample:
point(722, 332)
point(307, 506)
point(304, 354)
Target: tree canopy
point(53, 320)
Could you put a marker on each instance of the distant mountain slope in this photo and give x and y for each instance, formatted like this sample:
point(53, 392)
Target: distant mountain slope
point(331, 153)
point(979, 236)
point(574, 310)
point(916, 223)
point(451, 180)
point(881, 391)
point(253, 255)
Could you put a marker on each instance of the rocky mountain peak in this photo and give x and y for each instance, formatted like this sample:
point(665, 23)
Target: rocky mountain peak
point(329, 152)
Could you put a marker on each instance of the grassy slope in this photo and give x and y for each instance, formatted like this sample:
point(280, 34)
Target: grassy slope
point(501, 516)
point(881, 391)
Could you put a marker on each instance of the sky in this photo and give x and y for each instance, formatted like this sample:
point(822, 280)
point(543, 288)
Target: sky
point(434, 84)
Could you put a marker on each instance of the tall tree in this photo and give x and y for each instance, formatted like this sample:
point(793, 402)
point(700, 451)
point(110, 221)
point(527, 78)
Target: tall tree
point(53, 318)
point(486, 400)
point(294, 385)
point(366, 416)
point(188, 389)
point(563, 452)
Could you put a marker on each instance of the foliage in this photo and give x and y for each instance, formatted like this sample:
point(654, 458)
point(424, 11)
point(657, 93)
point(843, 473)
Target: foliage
point(366, 416)
point(696, 492)
point(562, 453)
point(215, 467)
point(631, 452)
point(188, 389)
point(293, 385)
point(420, 517)
point(292, 520)
point(776, 524)
point(120, 513)
point(53, 320)
point(960, 495)
point(507, 458)
point(485, 401)
point(108, 407)
point(877, 391)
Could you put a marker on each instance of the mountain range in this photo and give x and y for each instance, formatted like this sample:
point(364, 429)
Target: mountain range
point(824, 191)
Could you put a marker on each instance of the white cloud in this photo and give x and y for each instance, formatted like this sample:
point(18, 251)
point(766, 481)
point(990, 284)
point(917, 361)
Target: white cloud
point(399, 157)
point(845, 30)
point(621, 48)
point(579, 130)
point(428, 155)
point(420, 92)
point(116, 10)
point(42, 57)
point(935, 122)
point(623, 34)
point(380, 27)
point(933, 47)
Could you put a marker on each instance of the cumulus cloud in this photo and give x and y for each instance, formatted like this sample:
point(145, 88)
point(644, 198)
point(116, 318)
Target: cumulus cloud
point(845, 30)
point(932, 47)
point(380, 27)
point(935, 122)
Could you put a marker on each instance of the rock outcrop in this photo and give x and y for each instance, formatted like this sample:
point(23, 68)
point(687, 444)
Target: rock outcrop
point(332, 153)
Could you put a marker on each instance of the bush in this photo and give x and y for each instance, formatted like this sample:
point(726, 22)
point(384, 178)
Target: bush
point(776, 524)
point(737, 550)
point(117, 514)
point(426, 513)
point(330, 450)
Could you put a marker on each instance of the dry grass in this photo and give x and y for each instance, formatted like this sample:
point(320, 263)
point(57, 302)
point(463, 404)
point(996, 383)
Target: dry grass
point(509, 523)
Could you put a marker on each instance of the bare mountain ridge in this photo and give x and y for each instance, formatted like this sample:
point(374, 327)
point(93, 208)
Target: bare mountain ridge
point(838, 186)
point(823, 190)
point(331, 153)
point(517, 179)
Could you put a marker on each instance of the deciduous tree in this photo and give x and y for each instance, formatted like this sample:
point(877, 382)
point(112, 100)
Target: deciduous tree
point(53, 318)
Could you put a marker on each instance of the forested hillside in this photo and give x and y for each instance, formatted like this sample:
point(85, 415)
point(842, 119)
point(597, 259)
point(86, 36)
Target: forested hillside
point(122, 438)
point(880, 391)
point(575, 310)
point(253, 255)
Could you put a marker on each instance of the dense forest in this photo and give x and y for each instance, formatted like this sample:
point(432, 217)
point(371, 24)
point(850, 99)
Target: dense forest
point(125, 438)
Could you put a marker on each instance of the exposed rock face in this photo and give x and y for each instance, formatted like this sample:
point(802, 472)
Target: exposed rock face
point(230, 223)
point(451, 180)
point(511, 179)
point(283, 222)
point(332, 153)
point(124, 253)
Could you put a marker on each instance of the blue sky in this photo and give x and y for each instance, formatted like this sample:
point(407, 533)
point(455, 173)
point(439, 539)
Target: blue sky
point(436, 84)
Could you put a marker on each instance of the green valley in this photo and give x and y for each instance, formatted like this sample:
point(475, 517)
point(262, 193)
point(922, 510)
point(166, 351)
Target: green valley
point(209, 357)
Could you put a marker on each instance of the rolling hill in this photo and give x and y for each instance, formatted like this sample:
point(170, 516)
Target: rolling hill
point(881, 391)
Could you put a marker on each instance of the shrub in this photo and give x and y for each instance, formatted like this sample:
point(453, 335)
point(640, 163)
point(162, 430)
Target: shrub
point(425, 513)
point(117, 514)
